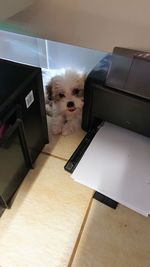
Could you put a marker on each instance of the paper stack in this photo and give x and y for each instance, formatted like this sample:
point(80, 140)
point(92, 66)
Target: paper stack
point(117, 164)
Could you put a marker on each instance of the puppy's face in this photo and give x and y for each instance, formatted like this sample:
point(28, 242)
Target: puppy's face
point(66, 91)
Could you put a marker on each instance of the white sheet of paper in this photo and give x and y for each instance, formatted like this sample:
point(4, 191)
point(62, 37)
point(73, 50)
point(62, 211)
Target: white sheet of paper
point(117, 164)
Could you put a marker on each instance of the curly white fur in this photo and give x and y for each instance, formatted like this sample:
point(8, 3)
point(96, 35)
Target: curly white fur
point(65, 101)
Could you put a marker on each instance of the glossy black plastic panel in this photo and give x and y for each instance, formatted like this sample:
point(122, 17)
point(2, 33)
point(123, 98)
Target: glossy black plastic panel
point(23, 126)
point(128, 108)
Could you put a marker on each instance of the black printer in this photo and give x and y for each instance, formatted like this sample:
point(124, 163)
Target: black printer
point(118, 91)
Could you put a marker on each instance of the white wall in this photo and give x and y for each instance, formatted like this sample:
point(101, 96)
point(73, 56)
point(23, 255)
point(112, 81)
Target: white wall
point(97, 24)
point(9, 8)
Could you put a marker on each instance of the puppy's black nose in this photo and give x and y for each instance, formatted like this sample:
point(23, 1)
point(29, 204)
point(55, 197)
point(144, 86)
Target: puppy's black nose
point(70, 104)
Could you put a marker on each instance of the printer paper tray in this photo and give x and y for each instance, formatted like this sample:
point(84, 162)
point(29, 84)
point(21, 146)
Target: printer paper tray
point(115, 164)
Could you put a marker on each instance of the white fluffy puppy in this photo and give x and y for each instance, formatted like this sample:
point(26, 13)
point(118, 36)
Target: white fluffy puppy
point(65, 96)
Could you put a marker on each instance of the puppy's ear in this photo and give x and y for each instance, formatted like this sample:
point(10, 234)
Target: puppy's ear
point(82, 79)
point(83, 76)
point(49, 91)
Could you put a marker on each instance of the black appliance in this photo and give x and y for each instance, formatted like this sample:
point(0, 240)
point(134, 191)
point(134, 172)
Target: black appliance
point(23, 125)
point(118, 90)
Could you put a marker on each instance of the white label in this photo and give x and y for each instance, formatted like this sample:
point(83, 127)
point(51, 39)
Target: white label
point(29, 99)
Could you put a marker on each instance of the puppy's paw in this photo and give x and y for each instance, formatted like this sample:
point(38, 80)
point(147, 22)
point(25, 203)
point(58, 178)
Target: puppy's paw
point(67, 129)
point(49, 110)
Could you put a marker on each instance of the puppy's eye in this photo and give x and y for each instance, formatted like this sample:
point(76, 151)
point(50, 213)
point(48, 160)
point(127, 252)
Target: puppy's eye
point(75, 91)
point(61, 95)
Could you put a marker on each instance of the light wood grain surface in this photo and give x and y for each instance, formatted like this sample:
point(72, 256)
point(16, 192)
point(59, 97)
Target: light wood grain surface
point(114, 238)
point(43, 224)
